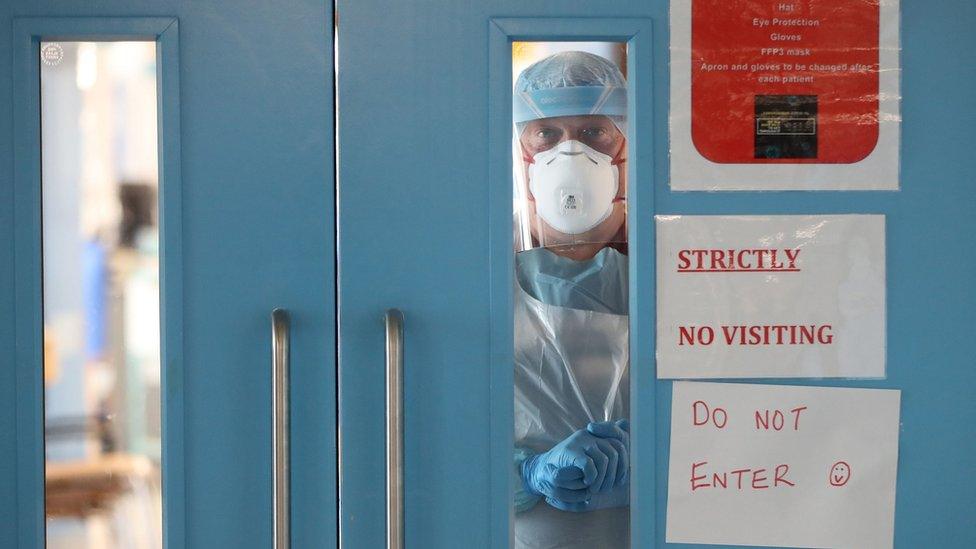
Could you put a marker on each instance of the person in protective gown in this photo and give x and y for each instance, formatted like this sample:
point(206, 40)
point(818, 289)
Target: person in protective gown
point(572, 454)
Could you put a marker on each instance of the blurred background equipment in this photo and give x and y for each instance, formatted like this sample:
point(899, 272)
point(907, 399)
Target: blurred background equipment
point(101, 295)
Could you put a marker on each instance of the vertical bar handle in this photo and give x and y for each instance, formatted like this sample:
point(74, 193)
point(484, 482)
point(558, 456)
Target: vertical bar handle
point(279, 414)
point(394, 429)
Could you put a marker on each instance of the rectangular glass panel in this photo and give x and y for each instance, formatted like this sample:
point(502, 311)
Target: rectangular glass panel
point(571, 325)
point(101, 295)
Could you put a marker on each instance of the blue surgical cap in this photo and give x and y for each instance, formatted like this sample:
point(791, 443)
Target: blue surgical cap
point(570, 83)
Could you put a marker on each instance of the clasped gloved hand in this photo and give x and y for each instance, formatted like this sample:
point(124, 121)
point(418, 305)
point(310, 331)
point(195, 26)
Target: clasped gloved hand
point(590, 461)
point(619, 496)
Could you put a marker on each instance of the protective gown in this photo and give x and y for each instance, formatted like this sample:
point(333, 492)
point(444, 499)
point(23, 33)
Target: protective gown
point(571, 367)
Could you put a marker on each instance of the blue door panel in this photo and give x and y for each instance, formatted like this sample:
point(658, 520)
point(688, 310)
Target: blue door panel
point(423, 228)
point(255, 142)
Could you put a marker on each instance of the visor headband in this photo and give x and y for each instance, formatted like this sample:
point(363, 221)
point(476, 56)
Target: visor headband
point(571, 101)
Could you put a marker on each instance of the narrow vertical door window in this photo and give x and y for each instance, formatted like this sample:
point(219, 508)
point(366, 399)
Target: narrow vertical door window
point(572, 359)
point(101, 295)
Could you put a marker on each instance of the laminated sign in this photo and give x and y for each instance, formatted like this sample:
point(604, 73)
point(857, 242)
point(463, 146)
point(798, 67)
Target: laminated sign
point(770, 296)
point(794, 94)
point(782, 466)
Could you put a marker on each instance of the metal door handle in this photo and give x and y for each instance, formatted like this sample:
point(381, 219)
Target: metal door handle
point(279, 418)
point(394, 429)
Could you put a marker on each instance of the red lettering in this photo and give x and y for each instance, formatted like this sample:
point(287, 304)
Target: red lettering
point(739, 473)
point(796, 417)
point(694, 478)
point(729, 334)
point(718, 259)
point(704, 418)
point(720, 480)
point(694, 413)
point(764, 420)
point(704, 335)
point(739, 262)
point(725, 417)
point(781, 476)
point(757, 478)
point(735, 260)
point(779, 419)
point(792, 255)
point(779, 334)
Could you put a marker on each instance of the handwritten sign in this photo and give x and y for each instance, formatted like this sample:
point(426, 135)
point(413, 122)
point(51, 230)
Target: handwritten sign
point(770, 296)
point(782, 466)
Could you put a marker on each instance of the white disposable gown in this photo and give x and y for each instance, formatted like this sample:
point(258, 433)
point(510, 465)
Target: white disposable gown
point(571, 368)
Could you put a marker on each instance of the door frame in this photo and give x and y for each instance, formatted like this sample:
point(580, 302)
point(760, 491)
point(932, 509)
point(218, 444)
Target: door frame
point(28, 392)
point(642, 183)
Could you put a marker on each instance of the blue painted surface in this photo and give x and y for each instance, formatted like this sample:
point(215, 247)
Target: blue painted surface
point(8, 374)
point(255, 108)
point(246, 164)
point(425, 226)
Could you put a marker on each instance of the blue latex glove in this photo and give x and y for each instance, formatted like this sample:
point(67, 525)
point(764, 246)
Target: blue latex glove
point(619, 494)
point(618, 497)
point(618, 433)
point(590, 461)
point(522, 499)
point(576, 468)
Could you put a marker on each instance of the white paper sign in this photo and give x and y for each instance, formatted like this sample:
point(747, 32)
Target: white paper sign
point(772, 95)
point(770, 296)
point(782, 466)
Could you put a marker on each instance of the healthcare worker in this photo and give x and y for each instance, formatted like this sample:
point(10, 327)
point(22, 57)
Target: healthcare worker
point(572, 454)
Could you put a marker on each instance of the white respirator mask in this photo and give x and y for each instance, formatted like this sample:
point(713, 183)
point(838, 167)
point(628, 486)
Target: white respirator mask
point(574, 186)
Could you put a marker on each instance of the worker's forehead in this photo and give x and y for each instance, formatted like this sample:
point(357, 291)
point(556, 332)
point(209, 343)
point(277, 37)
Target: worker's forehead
point(572, 120)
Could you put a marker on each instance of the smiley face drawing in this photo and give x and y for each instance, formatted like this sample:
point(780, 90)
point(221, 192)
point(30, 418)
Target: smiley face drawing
point(840, 473)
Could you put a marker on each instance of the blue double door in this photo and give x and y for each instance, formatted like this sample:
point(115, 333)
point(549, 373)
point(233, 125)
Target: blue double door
point(339, 194)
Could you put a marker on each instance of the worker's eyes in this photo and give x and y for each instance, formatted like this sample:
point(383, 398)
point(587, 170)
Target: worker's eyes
point(547, 135)
point(594, 133)
point(601, 138)
point(542, 138)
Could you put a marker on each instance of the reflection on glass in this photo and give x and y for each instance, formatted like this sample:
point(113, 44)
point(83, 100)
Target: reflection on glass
point(101, 295)
point(572, 359)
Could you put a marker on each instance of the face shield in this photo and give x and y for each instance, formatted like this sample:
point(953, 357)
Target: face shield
point(570, 155)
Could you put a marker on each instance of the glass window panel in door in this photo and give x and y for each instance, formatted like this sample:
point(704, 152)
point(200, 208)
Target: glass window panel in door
point(101, 295)
point(571, 325)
